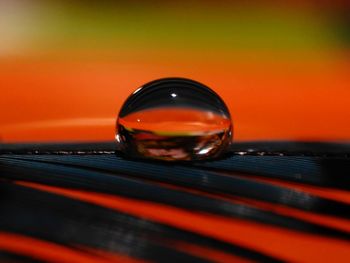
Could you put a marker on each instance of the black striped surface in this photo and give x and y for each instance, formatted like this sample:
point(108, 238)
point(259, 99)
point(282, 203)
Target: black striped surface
point(245, 185)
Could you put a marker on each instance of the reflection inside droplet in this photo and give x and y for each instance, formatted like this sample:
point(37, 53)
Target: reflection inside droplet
point(174, 119)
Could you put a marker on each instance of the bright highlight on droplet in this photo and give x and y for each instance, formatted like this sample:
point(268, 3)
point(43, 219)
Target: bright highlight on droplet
point(174, 119)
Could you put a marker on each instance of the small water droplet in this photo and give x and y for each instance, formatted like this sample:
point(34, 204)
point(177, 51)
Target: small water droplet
point(174, 119)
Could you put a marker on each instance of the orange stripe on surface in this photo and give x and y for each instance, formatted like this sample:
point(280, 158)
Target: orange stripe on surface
point(48, 251)
point(278, 242)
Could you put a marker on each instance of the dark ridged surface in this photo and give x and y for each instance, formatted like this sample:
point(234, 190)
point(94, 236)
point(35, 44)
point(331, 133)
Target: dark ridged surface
point(213, 188)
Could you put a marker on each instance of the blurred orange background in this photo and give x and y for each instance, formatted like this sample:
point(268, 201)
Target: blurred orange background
point(66, 69)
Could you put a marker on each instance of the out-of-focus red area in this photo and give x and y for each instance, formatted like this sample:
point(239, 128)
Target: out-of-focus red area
point(269, 99)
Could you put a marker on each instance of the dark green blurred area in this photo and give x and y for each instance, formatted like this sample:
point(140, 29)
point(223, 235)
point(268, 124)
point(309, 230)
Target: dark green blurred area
point(158, 25)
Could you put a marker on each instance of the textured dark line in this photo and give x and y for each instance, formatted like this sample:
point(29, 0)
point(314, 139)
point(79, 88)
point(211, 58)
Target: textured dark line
point(255, 148)
point(36, 148)
point(71, 222)
point(115, 184)
point(293, 148)
point(260, 158)
point(327, 172)
point(203, 180)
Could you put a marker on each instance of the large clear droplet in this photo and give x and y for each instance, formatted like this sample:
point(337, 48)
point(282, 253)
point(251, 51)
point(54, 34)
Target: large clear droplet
point(174, 119)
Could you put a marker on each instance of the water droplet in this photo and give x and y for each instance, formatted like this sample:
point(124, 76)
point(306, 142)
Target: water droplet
point(174, 119)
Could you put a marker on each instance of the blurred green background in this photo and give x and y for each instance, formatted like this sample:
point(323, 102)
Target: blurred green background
point(198, 26)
